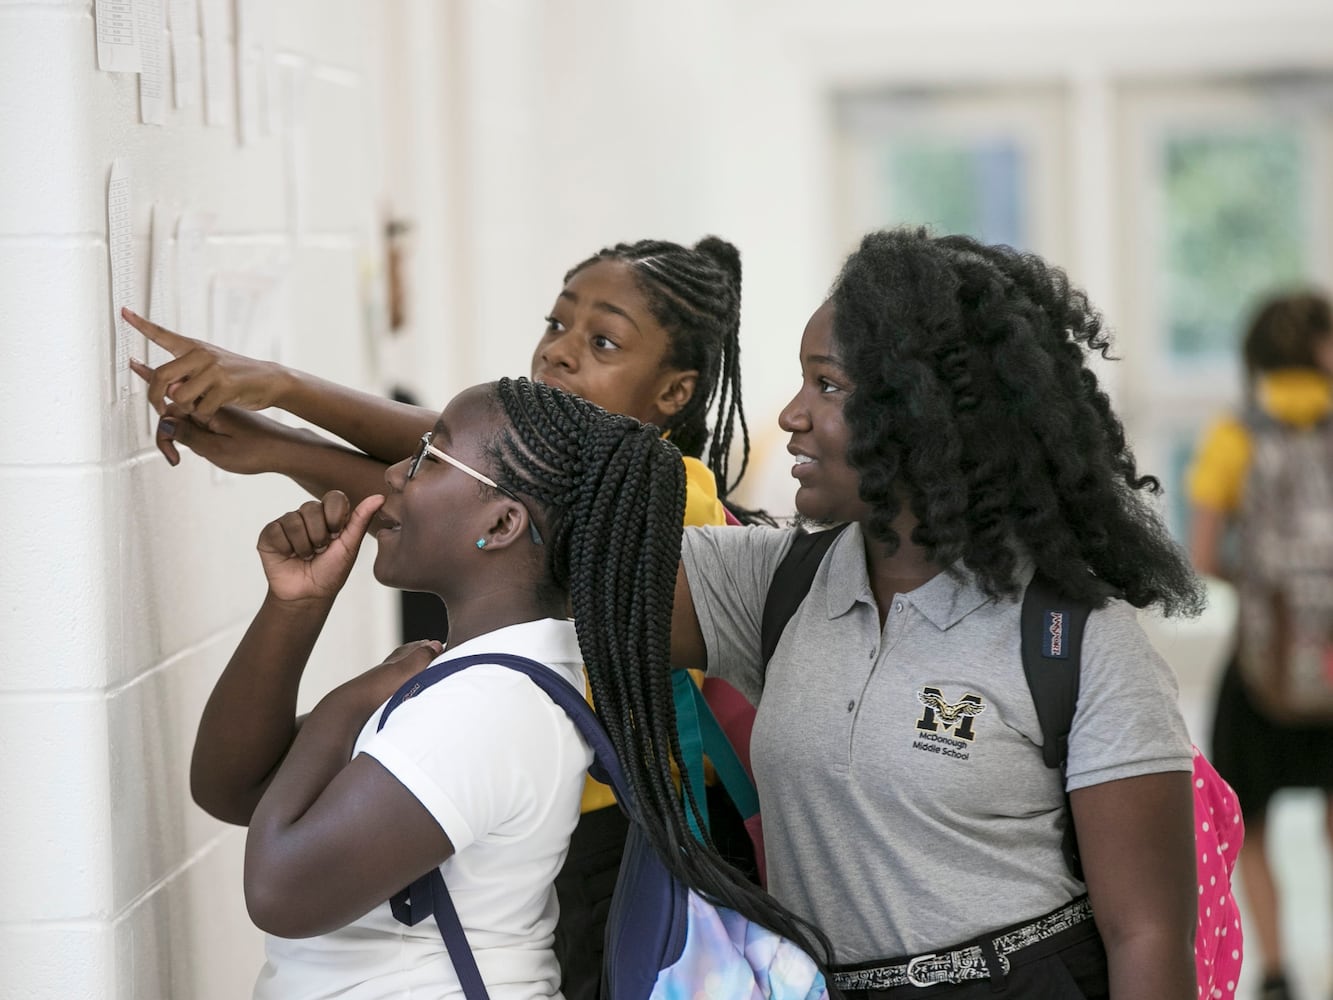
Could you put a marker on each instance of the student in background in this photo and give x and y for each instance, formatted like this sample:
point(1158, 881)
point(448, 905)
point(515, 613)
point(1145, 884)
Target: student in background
point(1245, 531)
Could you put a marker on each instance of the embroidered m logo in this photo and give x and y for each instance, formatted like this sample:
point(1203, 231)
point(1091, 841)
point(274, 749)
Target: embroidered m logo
point(940, 714)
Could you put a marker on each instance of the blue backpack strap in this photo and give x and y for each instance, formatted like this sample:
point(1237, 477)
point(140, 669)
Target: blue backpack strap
point(701, 736)
point(726, 762)
point(1052, 650)
point(691, 738)
point(429, 894)
point(791, 582)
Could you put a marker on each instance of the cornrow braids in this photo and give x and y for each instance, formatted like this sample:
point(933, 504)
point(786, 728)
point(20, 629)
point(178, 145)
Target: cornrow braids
point(610, 494)
point(973, 400)
point(695, 294)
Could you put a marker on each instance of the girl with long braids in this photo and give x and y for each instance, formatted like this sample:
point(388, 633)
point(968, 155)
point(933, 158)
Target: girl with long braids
point(649, 329)
point(520, 502)
point(948, 417)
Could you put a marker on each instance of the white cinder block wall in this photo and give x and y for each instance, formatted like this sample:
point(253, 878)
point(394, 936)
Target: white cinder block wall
point(126, 583)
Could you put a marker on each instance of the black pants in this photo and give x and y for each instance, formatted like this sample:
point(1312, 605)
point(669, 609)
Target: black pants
point(1069, 966)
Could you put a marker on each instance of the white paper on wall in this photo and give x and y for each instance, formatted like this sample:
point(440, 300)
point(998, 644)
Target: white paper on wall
point(249, 69)
point(161, 291)
point(241, 317)
point(268, 119)
point(218, 64)
point(244, 313)
point(151, 22)
point(292, 88)
point(117, 43)
point(235, 296)
point(184, 17)
point(120, 247)
point(192, 231)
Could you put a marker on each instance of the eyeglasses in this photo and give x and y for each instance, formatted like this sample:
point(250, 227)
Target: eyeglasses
point(426, 448)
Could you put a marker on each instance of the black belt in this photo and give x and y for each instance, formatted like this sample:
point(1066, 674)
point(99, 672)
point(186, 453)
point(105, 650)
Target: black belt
point(965, 963)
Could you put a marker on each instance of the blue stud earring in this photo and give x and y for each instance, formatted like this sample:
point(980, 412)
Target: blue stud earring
point(481, 543)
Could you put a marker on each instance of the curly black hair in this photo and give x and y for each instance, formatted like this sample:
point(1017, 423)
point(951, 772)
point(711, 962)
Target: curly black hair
point(695, 294)
point(972, 399)
point(610, 495)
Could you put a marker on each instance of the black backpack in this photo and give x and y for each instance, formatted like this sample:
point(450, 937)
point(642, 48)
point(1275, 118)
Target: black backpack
point(1051, 636)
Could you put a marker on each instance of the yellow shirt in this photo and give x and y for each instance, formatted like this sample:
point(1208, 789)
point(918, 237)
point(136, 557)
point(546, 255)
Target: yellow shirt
point(1296, 396)
point(702, 507)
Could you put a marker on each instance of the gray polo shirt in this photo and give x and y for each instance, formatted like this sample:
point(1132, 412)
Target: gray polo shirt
point(906, 806)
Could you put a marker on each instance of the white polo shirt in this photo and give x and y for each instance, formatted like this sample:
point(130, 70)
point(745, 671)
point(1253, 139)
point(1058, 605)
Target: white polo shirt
point(501, 768)
point(906, 806)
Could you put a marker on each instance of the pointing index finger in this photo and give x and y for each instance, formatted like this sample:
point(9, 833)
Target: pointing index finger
point(162, 337)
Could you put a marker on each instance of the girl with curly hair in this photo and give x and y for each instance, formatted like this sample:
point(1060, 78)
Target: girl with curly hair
point(948, 417)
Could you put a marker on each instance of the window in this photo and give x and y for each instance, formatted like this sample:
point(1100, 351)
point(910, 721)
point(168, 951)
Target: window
point(985, 164)
point(1226, 187)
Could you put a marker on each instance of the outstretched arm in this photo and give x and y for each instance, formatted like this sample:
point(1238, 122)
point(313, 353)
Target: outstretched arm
point(247, 443)
point(1136, 841)
point(688, 651)
point(203, 378)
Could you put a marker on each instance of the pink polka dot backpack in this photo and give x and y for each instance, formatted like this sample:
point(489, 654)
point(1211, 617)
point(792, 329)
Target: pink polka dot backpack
point(1052, 675)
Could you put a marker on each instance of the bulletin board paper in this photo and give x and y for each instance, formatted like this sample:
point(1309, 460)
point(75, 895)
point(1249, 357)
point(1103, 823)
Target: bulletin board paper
point(161, 290)
point(151, 24)
point(249, 70)
point(185, 51)
point(192, 231)
point(218, 64)
point(117, 41)
point(120, 245)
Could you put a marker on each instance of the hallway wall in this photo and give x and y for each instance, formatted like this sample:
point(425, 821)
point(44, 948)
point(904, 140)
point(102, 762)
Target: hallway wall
point(126, 583)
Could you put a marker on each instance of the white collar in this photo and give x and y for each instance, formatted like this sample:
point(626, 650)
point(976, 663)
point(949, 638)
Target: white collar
point(545, 640)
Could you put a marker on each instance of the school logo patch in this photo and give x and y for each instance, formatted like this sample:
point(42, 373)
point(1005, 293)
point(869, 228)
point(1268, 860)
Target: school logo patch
point(955, 718)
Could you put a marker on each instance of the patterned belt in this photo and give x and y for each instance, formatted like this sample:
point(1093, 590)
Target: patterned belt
point(964, 964)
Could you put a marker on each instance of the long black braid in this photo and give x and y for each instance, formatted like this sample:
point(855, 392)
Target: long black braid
point(972, 393)
point(695, 294)
point(610, 496)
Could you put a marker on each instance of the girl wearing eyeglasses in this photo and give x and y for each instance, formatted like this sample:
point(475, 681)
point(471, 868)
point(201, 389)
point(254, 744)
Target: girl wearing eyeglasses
point(504, 512)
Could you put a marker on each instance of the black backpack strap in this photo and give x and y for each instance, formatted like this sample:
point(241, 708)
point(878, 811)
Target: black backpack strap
point(1052, 649)
point(429, 895)
point(791, 582)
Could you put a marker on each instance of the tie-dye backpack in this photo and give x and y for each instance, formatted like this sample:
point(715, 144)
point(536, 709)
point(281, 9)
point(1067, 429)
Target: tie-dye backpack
point(663, 940)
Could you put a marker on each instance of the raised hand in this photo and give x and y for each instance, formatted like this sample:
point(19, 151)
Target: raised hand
point(308, 553)
point(203, 377)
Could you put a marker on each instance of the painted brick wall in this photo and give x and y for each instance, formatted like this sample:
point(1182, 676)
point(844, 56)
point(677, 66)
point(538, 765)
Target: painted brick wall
point(126, 583)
